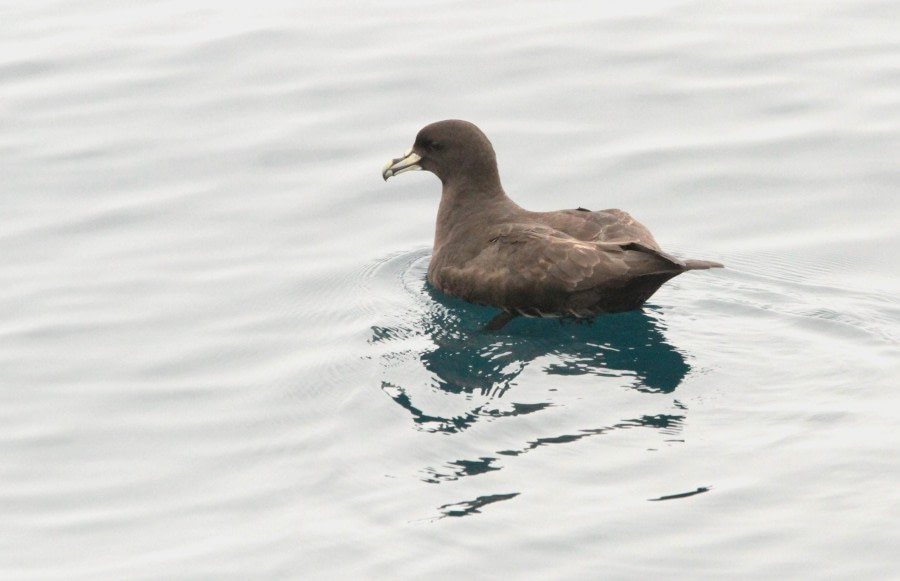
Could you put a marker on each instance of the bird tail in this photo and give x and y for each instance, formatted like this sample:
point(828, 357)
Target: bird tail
point(680, 265)
point(690, 264)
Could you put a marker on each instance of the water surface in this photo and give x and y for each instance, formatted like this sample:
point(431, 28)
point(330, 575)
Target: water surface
point(219, 357)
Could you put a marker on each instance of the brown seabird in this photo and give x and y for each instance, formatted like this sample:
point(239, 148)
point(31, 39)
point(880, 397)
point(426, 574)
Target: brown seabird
point(490, 251)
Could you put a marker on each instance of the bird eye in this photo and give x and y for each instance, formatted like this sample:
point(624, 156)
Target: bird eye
point(433, 146)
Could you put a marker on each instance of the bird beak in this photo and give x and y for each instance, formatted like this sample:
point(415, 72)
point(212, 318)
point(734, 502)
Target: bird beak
point(408, 162)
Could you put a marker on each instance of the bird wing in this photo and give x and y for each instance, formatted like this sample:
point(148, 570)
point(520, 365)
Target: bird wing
point(611, 225)
point(539, 268)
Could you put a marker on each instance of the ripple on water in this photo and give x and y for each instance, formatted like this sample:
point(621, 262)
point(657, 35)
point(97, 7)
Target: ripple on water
point(452, 378)
point(775, 285)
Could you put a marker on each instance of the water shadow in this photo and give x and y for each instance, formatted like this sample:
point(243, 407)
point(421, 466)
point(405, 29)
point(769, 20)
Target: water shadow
point(469, 507)
point(467, 369)
point(699, 490)
point(457, 469)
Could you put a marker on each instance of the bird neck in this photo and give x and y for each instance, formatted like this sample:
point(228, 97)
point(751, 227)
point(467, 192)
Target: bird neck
point(472, 173)
point(465, 204)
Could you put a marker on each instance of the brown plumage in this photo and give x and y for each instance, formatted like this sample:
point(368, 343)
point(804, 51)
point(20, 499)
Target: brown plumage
point(490, 251)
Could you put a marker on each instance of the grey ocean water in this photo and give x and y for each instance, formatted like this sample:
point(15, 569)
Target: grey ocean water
point(219, 358)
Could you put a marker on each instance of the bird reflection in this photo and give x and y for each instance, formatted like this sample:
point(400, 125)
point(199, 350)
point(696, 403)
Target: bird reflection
point(467, 370)
point(448, 373)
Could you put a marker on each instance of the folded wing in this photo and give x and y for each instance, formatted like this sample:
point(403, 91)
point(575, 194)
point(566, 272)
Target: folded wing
point(541, 271)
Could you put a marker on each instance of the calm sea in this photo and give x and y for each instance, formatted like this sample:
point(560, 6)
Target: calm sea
point(219, 358)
